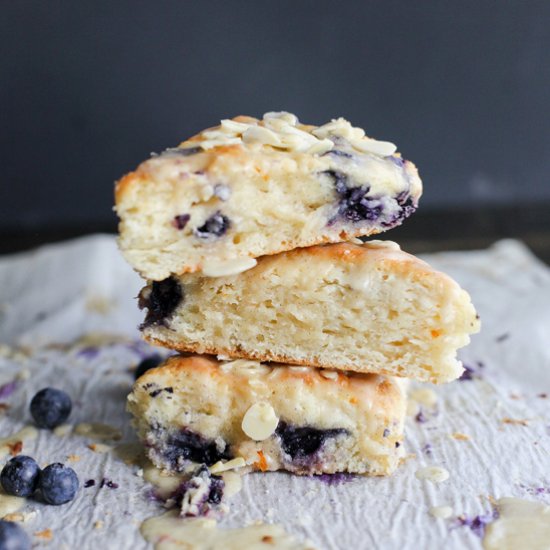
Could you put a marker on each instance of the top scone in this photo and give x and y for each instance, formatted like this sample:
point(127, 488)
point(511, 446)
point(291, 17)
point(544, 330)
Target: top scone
point(250, 188)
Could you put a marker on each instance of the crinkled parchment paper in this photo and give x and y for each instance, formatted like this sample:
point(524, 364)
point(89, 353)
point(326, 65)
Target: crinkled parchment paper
point(68, 318)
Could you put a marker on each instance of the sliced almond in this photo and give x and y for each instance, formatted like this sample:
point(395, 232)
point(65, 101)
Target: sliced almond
point(260, 421)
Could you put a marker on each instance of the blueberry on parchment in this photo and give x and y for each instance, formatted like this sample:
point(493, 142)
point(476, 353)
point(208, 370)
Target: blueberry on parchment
point(57, 484)
point(50, 407)
point(12, 537)
point(20, 476)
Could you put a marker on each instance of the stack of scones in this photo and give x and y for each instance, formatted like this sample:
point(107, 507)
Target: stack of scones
point(296, 338)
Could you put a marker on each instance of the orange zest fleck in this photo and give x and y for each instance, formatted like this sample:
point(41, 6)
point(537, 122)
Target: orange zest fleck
point(47, 534)
point(262, 462)
point(15, 448)
point(353, 400)
point(435, 333)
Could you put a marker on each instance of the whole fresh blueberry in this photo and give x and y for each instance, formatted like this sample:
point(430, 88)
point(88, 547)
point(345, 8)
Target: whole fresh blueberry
point(50, 407)
point(146, 364)
point(57, 483)
point(12, 537)
point(20, 476)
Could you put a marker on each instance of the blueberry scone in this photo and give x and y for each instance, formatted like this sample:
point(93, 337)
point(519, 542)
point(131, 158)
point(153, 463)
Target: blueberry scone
point(304, 420)
point(250, 187)
point(365, 308)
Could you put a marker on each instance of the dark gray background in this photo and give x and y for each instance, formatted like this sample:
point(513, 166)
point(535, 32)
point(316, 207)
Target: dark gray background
point(91, 88)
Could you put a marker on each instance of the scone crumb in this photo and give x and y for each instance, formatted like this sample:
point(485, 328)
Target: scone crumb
point(233, 464)
point(73, 458)
point(515, 421)
point(441, 512)
point(98, 524)
point(15, 448)
point(329, 374)
point(436, 474)
point(63, 430)
point(460, 436)
point(47, 534)
point(99, 447)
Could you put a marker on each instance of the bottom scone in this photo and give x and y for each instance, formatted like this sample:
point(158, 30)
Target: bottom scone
point(276, 417)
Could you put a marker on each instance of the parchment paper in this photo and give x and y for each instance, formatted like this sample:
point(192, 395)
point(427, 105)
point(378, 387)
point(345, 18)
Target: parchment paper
point(68, 319)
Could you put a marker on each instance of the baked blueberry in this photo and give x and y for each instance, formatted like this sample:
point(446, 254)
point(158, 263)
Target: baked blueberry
point(20, 476)
point(148, 363)
point(160, 299)
point(301, 442)
point(198, 494)
point(57, 484)
point(50, 407)
point(180, 221)
point(188, 445)
point(215, 226)
point(12, 537)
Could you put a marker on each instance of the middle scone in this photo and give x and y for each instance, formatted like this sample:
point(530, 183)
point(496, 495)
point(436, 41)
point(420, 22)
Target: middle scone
point(364, 308)
point(268, 417)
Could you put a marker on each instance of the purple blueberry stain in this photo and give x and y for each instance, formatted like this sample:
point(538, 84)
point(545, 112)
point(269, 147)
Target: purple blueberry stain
point(6, 390)
point(427, 449)
point(338, 153)
point(471, 371)
point(180, 221)
point(108, 483)
point(89, 352)
point(420, 417)
point(386, 432)
point(215, 226)
point(335, 479)
point(160, 299)
point(477, 524)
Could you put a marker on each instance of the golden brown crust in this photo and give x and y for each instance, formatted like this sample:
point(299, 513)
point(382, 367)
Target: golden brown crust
point(236, 353)
point(385, 390)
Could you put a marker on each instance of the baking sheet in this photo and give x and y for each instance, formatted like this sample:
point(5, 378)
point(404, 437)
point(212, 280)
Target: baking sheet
point(68, 318)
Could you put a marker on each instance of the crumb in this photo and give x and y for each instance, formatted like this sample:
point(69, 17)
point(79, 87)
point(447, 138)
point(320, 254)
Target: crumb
point(515, 396)
point(15, 447)
point(62, 430)
point(24, 374)
point(47, 534)
point(73, 458)
point(99, 447)
point(515, 421)
point(98, 524)
point(4, 407)
point(460, 436)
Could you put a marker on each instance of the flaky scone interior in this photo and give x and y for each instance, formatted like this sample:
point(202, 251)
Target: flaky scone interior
point(269, 417)
point(250, 187)
point(365, 308)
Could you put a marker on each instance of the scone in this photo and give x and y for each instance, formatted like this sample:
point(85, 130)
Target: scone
point(250, 187)
point(365, 308)
point(307, 421)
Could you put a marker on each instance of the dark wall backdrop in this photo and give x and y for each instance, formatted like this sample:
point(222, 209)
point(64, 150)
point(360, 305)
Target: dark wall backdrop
point(88, 89)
